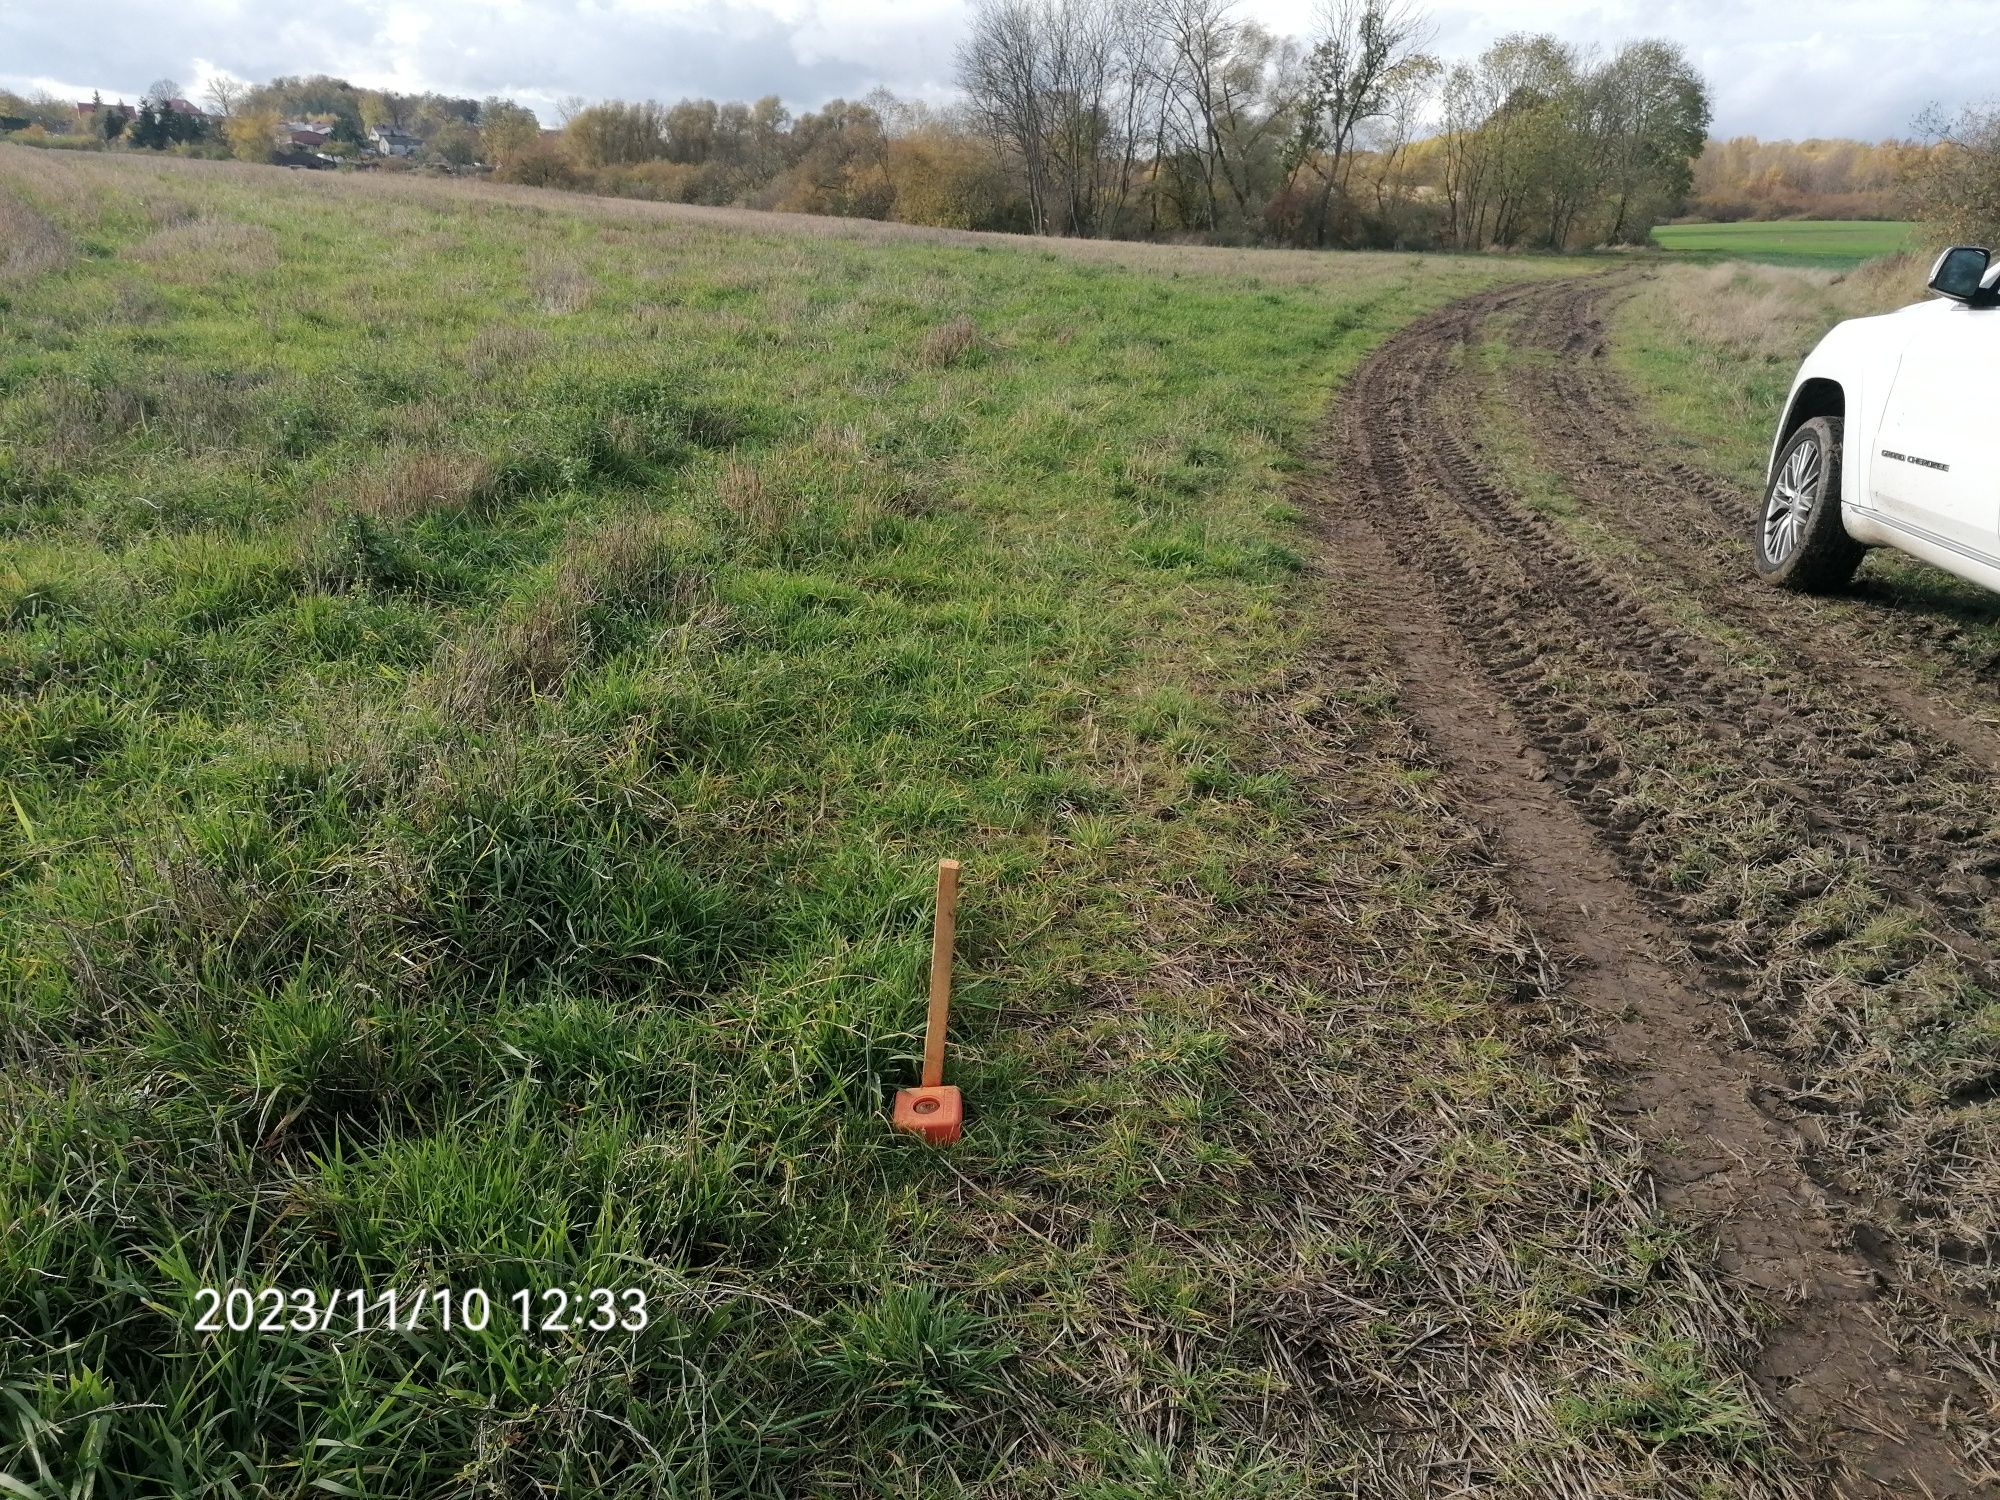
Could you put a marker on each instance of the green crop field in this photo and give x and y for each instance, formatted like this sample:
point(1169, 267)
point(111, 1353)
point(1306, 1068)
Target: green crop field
point(487, 678)
point(1834, 243)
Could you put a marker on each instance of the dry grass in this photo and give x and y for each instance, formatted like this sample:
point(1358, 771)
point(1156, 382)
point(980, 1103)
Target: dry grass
point(559, 285)
point(201, 250)
point(402, 486)
point(670, 222)
point(78, 421)
point(1761, 313)
point(1721, 343)
point(949, 343)
point(167, 209)
point(502, 349)
point(762, 508)
point(29, 243)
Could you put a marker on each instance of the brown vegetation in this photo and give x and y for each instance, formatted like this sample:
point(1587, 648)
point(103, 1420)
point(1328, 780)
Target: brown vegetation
point(624, 565)
point(1955, 186)
point(560, 286)
point(1747, 178)
point(401, 486)
point(29, 243)
point(948, 343)
point(201, 250)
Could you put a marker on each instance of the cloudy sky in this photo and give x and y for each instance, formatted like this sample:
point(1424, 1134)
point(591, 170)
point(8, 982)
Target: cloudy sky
point(1778, 67)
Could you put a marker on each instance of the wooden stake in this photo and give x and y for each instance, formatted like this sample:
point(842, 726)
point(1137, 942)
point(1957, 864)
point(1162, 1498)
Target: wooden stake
point(943, 934)
point(935, 1110)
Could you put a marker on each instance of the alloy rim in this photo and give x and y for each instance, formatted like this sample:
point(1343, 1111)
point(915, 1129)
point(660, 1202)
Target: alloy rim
point(1791, 502)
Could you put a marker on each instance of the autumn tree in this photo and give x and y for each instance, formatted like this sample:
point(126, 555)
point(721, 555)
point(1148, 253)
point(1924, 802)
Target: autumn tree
point(313, 97)
point(454, 143)
point(944, 174)
point(507, 129)
point(838, 165)
point(1652, 115)
point(252, 134)
point(617, 134)
point(1955, 186)
point(1543, 145)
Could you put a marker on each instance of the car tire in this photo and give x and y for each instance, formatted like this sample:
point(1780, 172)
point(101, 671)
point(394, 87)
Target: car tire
point(1799, 542)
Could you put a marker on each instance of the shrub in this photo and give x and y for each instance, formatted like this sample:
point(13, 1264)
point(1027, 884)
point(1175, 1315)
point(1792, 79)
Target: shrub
point(540, 166)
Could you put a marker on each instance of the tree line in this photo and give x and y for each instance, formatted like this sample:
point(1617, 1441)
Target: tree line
point(1747, 178)
point(1176, 116)
point(1163, 118)
point(1147, 119)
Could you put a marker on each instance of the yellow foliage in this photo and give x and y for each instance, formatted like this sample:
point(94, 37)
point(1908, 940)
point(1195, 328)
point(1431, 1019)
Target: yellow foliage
point(253, 134)
point(944, 179)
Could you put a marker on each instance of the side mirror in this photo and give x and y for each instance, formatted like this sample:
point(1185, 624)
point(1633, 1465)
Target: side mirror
point(1958, 273)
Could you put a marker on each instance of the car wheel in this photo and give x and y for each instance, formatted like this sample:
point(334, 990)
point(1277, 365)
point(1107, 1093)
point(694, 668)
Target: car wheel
point(1800, 543)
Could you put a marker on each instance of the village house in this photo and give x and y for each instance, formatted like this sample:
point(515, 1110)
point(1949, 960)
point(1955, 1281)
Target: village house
point(387, 140)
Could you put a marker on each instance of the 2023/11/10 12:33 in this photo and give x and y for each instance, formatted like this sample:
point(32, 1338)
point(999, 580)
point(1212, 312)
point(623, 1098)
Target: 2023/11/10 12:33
point(241, 1309)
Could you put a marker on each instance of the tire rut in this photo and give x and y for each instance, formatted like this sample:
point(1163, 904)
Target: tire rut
point(1696, 523)
point(1529, 662)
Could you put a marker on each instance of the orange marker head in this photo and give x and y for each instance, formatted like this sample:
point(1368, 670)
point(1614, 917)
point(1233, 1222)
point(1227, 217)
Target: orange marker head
point(937, 1114)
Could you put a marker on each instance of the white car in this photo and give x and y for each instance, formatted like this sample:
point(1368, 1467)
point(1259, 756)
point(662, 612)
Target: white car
point(1891, 438)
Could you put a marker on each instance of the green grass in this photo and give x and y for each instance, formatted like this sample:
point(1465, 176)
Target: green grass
point(487, 679)
point(1834, 243)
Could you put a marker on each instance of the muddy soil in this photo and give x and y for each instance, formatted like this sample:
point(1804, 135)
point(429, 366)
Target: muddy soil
point(1757, 834)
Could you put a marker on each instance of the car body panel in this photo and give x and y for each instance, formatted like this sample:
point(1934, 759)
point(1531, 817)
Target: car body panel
point(1920, 435)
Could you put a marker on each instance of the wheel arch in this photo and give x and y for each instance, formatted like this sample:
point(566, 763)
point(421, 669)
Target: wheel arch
point(1817, 397)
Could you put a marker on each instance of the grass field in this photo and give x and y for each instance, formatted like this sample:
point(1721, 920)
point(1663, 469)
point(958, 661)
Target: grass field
point(487, 678)
point(1832, 243)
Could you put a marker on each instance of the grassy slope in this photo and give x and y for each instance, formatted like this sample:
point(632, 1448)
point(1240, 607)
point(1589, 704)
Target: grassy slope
point(1832, 243)
point(486, 680)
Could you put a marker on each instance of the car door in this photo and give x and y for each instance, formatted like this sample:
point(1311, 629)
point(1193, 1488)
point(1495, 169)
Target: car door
point(1936, 464)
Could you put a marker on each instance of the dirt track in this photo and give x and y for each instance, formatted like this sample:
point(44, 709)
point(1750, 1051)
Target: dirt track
point(1756, 832)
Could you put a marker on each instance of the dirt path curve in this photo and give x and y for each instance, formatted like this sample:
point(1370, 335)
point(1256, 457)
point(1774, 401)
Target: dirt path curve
point(1564, 698)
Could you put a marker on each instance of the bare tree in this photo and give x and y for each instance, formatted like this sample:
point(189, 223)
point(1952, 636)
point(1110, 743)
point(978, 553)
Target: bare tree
point(1002, 67)
point(225, 95)
point(1407, 93)
point(1098, 85)
point(1954, 185)
point(1199, 36)
point(1366, 48)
